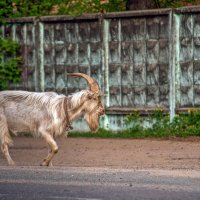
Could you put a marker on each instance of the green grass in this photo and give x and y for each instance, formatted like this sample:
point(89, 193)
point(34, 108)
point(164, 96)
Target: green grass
point(102, 133)
point(131, 134)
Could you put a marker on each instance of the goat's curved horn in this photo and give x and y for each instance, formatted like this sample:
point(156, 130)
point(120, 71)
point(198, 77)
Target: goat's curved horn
point(91, 82)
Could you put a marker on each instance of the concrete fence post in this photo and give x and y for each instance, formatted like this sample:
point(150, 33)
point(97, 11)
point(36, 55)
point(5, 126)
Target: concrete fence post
point(39, 68)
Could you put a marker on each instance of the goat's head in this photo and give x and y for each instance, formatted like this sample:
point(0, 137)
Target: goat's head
point(91, 104)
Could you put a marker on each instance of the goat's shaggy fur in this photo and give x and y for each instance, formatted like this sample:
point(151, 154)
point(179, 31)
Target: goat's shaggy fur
point(28, 111)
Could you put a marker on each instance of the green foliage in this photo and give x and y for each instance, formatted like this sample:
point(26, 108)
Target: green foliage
point(5, 9)
point(134, 121)
point(159, 124)
point(79, 7)
point(33, 8)
point(9, 63)
point(10, 70)
point(21, 8)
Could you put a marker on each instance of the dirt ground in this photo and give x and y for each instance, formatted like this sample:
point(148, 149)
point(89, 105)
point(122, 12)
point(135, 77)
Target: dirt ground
point(110, 153)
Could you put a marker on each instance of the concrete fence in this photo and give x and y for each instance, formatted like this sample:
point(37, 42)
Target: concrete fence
point(142, 60)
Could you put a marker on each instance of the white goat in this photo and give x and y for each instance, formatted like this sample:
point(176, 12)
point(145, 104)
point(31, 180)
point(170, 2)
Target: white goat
point(47, 114)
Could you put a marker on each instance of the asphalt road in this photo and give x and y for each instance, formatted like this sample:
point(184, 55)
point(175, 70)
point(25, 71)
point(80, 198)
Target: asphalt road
point(97, 183)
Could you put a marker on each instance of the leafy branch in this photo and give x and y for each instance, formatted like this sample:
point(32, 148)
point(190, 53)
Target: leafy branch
point(9, 63)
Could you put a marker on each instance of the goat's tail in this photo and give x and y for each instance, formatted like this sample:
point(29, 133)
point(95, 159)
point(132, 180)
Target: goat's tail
point(5, 137)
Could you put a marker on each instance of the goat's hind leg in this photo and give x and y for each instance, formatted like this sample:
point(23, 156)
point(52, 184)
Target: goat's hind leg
point(4, 149)
point(5, 139)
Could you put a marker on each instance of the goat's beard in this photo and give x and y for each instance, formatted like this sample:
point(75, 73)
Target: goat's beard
point(92, 120)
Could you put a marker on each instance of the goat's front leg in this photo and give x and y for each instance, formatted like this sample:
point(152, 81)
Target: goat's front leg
point(49, 151)
point(53, 148)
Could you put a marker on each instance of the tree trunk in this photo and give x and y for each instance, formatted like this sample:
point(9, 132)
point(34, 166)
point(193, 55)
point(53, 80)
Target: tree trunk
point(141, 4)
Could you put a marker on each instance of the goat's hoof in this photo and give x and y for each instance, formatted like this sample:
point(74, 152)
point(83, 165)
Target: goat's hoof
point(11, 163)
point(44, 163)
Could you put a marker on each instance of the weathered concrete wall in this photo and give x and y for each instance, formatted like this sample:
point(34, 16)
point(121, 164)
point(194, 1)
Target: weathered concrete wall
point(142, 59)
point(188, 56)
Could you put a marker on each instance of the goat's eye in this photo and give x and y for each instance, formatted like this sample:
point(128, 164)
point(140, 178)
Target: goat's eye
point(90, 97)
